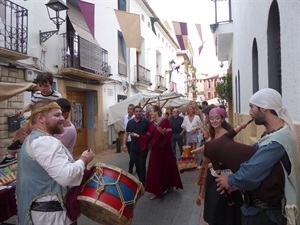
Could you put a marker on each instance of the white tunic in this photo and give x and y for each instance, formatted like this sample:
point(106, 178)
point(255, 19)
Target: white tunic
point(60, 165)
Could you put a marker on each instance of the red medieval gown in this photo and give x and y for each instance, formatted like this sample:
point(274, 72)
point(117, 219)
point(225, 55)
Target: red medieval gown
point(162, 172)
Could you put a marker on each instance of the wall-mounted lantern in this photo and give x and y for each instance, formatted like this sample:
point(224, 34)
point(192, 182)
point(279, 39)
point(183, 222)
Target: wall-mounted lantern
point(172, 65)
point(57, 6)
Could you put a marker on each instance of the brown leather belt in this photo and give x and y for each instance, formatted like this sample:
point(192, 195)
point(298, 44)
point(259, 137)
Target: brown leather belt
point(248, 201)
point(265, 205)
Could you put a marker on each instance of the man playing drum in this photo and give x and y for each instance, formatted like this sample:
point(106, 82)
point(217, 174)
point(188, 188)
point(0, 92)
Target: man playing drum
point(46, 169)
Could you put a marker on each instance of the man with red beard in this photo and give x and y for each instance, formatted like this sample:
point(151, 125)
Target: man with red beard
point(46, 169)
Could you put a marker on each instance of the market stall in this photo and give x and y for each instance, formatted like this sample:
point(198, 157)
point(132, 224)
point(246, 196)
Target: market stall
point(8, 207)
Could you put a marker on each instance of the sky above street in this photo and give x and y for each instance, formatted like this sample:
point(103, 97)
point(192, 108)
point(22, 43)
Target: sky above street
point(192, 12)
point(196, 11)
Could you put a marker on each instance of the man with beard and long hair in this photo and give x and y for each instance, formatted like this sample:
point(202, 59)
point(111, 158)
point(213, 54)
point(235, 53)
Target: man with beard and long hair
point(277, 144)
point(46, 169)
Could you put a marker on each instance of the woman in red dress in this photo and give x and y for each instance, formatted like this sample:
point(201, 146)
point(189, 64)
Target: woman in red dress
point(162, 173)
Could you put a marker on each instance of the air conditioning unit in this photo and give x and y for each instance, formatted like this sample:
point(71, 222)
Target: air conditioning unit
point(30, 75)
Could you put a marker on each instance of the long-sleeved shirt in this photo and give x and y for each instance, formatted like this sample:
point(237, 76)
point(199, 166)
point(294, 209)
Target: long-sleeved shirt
point(45, 169)
point(126, 118)
point(254, 171)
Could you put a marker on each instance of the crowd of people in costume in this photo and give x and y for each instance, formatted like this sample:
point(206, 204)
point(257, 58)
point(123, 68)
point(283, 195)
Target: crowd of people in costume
point(239, 184)
point(246, 185)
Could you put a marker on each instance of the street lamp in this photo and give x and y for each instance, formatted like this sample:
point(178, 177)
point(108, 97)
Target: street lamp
point(172, 64)
point(56, 6)
point(189, 80)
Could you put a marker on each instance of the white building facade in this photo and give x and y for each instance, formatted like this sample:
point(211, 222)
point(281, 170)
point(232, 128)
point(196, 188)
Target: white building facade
point(260, 39)
point(92, 66)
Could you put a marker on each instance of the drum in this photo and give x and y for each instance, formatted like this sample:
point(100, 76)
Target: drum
point(186, 151)
point(187, 161)
point(110, 195)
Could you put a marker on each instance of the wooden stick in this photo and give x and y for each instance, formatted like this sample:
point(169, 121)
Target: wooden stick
point(202, 179)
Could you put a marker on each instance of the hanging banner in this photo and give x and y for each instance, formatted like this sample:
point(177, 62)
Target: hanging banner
point(130, 27)
point(181, 33)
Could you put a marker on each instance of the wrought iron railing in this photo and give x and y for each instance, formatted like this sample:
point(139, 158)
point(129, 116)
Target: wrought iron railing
point(160, 82)
point(13, 27)
point(143, 75)
point(81, 54)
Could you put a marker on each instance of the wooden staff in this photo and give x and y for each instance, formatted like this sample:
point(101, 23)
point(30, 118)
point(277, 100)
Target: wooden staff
point(201, 181)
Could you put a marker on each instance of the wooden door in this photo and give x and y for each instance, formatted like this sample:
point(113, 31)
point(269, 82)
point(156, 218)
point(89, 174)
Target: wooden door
point(78, 118)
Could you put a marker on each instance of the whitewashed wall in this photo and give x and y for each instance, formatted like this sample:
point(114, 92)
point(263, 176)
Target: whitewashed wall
point(106, 33)
point(152, 44)
point(49, 53)
point(250, 19)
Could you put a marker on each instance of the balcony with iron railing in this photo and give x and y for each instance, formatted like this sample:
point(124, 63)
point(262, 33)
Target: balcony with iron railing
point(82, 58)
point(143, 75)
point(13, 30)
point(161, 83)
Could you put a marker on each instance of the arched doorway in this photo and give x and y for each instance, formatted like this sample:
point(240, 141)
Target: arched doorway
point(255, 80)
point(274, 48)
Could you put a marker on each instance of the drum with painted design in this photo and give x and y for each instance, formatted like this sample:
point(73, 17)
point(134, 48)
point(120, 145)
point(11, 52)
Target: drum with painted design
point(110, 195)
point(187, 161)
point(186, 151)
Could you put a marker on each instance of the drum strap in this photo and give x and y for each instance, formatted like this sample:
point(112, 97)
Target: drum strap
point(72, 205)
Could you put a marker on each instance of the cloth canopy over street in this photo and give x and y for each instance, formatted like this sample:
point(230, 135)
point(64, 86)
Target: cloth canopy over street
point(116, 112)
point(8, 90)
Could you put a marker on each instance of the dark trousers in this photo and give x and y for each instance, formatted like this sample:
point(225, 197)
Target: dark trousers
point(177, 138)
point(139, 159)
point(131, 162)
point(263, 219)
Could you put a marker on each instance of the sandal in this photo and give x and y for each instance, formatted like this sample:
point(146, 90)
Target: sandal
point(152, 197)
point(171, 189)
